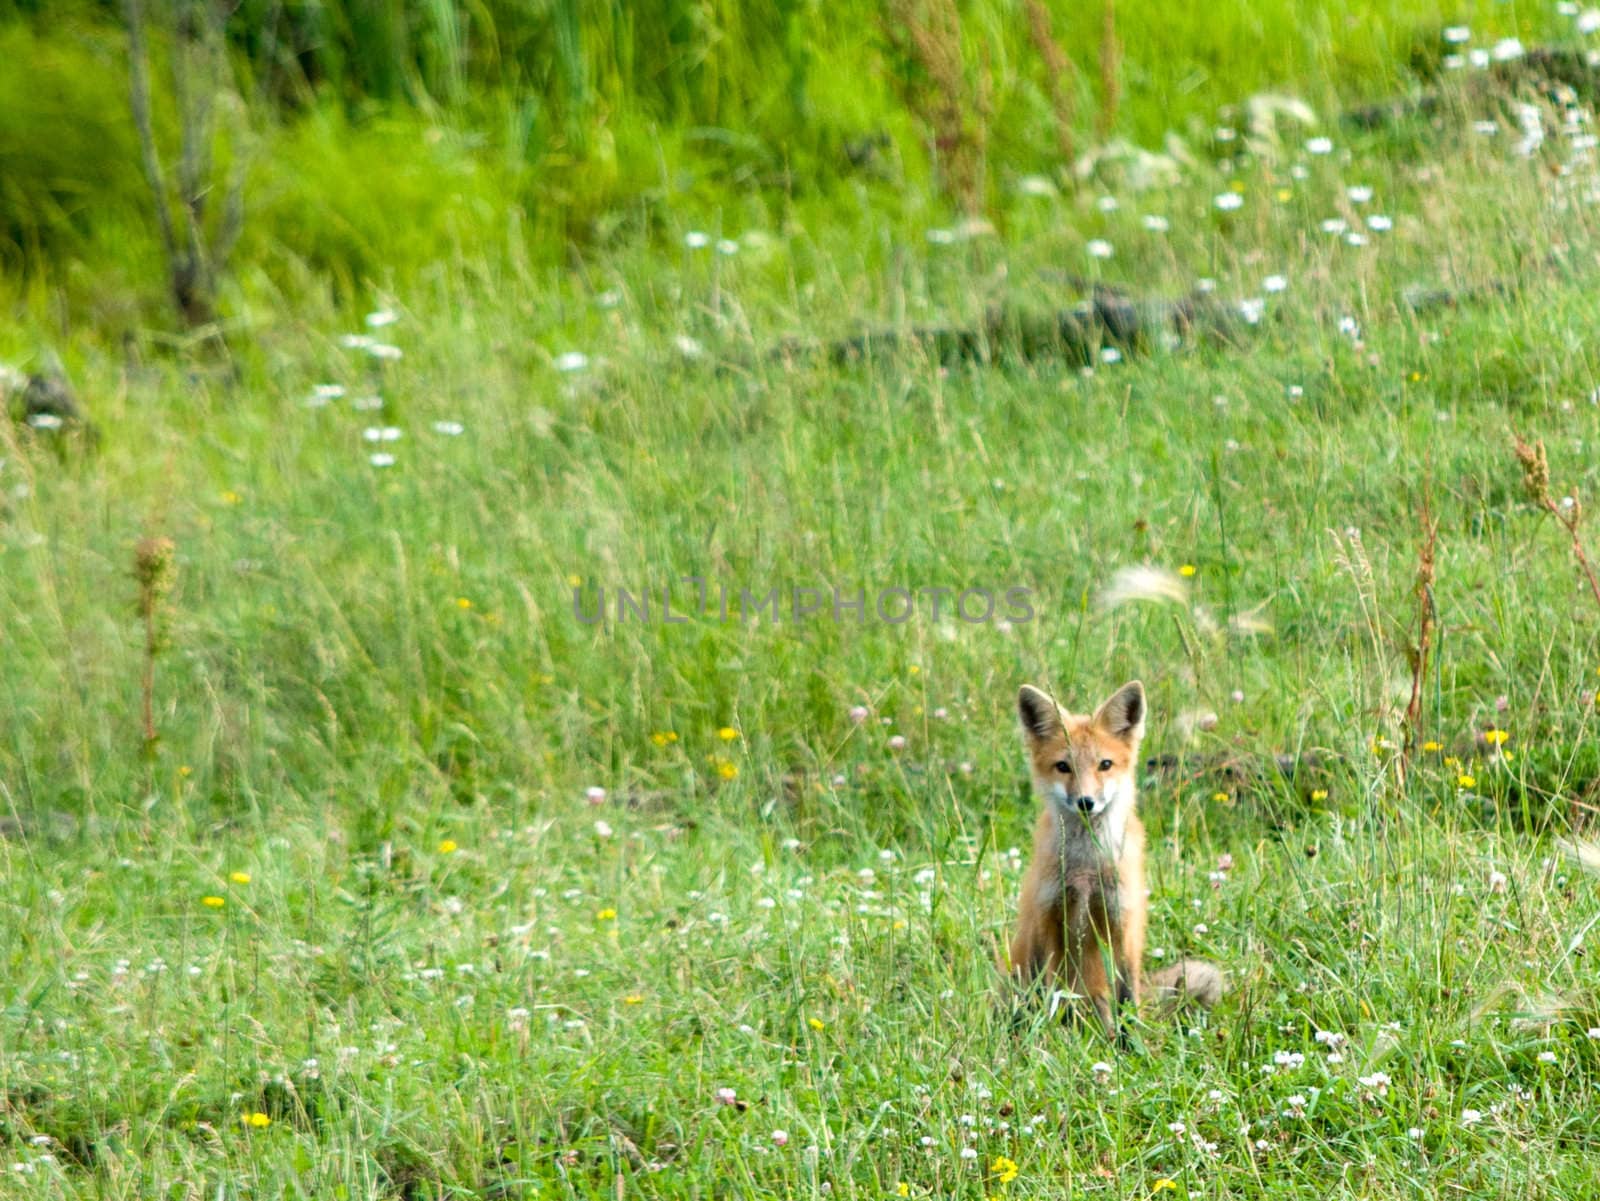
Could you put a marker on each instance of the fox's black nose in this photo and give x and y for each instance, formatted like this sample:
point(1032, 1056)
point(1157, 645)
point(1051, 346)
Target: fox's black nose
point(1084, 803)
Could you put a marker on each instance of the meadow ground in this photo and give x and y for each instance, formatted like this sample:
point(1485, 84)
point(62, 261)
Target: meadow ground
point(429, 889)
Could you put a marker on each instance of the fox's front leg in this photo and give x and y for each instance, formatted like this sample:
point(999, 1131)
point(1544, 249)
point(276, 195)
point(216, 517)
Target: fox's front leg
point(1037, 949)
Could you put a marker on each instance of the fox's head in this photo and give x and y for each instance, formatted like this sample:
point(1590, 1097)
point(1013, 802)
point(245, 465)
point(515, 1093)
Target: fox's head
point(1084, 765)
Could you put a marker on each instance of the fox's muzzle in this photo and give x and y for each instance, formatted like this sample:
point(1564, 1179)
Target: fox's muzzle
point(1085, 804)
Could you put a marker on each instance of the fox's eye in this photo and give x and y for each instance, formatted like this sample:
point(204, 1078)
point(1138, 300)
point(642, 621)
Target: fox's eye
point(1063, 767)
point(1105, 765)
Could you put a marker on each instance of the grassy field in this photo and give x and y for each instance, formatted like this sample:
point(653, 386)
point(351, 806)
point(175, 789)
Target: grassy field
point(428, 888)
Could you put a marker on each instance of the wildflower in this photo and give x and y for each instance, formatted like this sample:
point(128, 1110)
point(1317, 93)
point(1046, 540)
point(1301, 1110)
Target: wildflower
point(1495, 737)
point(902, 1189)
point(1431, 746)
point(607, 914)
point(382, 318)
point(595, 795)
point(858, 714)
point(1319, 146)
point(726, 1096)
point(239, 877)
point(1547, 1056)
point(1110, 354)
point(1507, 49)
point(1319, 794)
point(969, 1153)
point(1225, 862)
point(1219, 797)
point(321, 394)
point(1457, 34)
point(1378, 223)
point(1466, 781)
point(602, 829)
point(1359, 193)
point(381, 459)
point(463, 602)
point(258, 1121)
point(1004, 1169)
point(450, 429)
point(816, 1023)
point(1164, 1184)
point(1470, 1117)
point(572, 360)
point(1335, 225)
point(1377, 1083)
point(727, 247)
point(897, 743)
point(1100, 1068)
point(1156, 224)
point(185, 771)
point(383, 433)
point(727, 733)
point(448, 846)
point(1176, 1127)
point(726, 769)
point(780, 1138)
point(633, 998)
point(1099, 248)
point(1588, 20)
point(1227, 202)
point(213, 902)
point(385, 352)
point(1275, 283)
point(1497, 881)
point(367, 404)
point(695, 240)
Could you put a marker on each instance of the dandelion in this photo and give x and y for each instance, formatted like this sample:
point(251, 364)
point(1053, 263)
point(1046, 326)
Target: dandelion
point(727, 733)
point(1099, 248)
point(1319, 146)
point(1227, 202)
point(450, 429)
point(213, 902)
point(902, 1189)
point(1156, 224)
point(1005, 1170)
point(1466, 781)
point(572, 360)
point(448, 846)
point(727, 770)
point(239, 877)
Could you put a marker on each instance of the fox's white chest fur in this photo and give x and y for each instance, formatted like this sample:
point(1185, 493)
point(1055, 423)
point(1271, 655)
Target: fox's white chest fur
point(1088, 850)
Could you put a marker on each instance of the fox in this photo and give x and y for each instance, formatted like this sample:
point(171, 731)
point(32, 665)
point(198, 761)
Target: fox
point(1084, 905)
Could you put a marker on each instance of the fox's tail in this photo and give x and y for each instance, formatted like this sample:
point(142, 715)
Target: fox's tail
point(1187, 980)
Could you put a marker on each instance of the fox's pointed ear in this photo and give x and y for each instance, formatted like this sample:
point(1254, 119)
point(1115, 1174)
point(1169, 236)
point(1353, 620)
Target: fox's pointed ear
point(1123, 715)
point(1040, 717)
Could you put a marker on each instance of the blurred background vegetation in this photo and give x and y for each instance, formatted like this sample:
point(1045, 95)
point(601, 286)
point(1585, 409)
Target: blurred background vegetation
point(375, 140)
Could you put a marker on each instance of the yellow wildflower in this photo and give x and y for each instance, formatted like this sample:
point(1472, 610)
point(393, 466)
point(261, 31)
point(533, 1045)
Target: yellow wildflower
point(463, 602)
point(575, 580)
point(1004, 1168)
point(815, 1023)
point(607, 914)
point(1319, 794)
point(1164, 1184)
point(727, 733)
point(213, 902)
point(633, 998)
point(448, 846)
point(902, 1189)
point(914, 670)
point(1219, 797)
point(1187, 570)
point(1284, 194)
point(1430, 745)
point(1495, 737)
point(239, 877)
point(230, 497)
point(185, 771)
point(1466, 781)
point(259, 1120)
point(727, 770)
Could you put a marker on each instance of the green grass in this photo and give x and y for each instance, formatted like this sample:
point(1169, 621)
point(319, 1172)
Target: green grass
point(443, 972)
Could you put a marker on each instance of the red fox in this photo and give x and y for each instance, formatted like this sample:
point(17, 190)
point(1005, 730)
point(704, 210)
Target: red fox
point(1083, 897)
